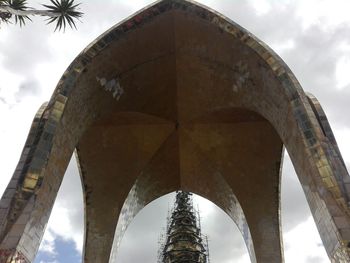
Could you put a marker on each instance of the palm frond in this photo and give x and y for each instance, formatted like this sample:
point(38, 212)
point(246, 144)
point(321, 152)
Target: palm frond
point(5, 17)
point(66, 11)
point(19, 5)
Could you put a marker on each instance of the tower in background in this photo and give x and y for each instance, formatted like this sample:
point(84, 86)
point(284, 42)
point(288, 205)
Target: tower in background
point(184, 241)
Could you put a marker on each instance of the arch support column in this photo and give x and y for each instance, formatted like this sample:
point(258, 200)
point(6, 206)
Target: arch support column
point(28, 200)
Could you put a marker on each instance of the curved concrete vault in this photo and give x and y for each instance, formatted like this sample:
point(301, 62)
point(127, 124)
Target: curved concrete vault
point(178, 97)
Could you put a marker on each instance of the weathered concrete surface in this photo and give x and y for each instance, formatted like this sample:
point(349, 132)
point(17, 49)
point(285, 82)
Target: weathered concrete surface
point(179, 97)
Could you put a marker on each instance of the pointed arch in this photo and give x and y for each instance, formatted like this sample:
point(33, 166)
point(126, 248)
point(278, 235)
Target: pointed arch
point(163, 63)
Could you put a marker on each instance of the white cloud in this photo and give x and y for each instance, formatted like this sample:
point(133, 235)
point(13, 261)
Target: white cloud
point(342, 72)
point(66, 220)
point(48, 243)
point(343, 138)
point(60, 225)
point(325, 12)
point(303, 244)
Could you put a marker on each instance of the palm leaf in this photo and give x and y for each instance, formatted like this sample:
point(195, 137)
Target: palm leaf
point(18, 5)
point(65, 12)
point(5, 17)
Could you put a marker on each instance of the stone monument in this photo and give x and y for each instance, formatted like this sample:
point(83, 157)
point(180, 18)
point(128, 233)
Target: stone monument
point(177, 97)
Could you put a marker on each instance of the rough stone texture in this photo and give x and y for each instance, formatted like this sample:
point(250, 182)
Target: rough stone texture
point(179, 97)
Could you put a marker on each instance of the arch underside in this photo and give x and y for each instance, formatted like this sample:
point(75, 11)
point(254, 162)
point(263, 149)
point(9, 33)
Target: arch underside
point(178, 97)
point(156, 157)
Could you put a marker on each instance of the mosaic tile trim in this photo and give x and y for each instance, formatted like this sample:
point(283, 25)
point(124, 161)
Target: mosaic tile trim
point(339, 177)
point(337, 164)
point(22, 184)
point(11, 256)
point(24, 229)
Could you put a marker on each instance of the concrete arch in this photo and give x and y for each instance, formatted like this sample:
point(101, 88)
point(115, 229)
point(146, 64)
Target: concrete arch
point(175, 91)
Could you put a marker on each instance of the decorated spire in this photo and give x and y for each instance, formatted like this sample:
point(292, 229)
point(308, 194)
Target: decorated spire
point(183, 241)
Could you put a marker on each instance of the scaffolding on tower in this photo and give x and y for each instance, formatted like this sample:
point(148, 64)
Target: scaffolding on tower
point(183, 240)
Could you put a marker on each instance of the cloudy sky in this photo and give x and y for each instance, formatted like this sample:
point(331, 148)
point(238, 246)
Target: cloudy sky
point(313, 37)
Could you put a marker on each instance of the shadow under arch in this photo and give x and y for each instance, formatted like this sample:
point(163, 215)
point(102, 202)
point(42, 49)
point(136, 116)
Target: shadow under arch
point(134, 204)
point(177, 78)
point(159, 212)
point(148, 155)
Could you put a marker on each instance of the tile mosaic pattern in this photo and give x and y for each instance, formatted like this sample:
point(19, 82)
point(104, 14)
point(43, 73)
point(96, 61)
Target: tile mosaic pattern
point(339, 177)
point(11, 256)
point(76, 105)
point(19, 193)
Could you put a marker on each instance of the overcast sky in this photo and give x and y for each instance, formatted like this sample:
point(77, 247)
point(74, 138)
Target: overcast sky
point(313, 37)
